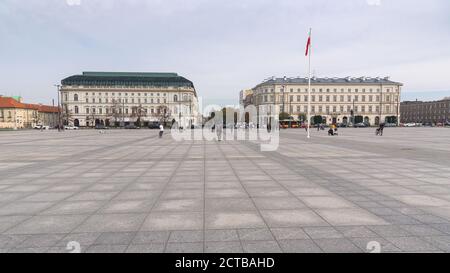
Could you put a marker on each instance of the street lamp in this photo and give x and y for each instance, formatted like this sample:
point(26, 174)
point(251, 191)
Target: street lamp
point(59, 106)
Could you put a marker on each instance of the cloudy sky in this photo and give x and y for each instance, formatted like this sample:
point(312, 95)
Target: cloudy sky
point(223, 46)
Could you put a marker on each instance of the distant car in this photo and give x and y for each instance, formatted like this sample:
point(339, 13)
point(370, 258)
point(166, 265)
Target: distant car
point(342, 125)
point(153, 126)
point(360, 125)
point(131, 127)
point(71, 128)
point(409, 124)
point(101, 127)
point(447, 123)
point(41, 127)
point(390, 125)
point(427, 124)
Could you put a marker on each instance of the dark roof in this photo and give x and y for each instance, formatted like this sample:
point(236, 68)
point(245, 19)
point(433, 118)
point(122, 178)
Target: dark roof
point(128, 79)
point(316, 81)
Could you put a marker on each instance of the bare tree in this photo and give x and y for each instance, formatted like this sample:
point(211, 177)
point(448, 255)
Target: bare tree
point(115, 111)
point(138, 112)
point(67, 116)
point(162, 114)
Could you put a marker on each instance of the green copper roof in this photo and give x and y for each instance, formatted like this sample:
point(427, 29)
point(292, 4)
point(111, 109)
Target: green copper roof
point(130, 74)
point(128, 79)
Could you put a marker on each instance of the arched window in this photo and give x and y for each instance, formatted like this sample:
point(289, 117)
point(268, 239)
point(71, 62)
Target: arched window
point(175, 98)
point(76, 110)
point(75, 97)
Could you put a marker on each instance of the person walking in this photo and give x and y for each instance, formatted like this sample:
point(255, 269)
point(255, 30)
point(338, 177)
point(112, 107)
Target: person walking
point(219, 131)
point(161, 131)
point(382, 125)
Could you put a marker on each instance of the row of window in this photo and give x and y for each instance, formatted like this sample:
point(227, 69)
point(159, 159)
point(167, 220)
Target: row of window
point(176, 98)
point(101, 111)
point(328, 98)
point(328, 90)
point(336, 109)
point(119, 101)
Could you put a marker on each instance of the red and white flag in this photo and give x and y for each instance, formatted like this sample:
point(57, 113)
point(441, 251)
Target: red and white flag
point(308, 45)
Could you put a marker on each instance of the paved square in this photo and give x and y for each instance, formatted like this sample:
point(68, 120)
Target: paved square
point(128, 191)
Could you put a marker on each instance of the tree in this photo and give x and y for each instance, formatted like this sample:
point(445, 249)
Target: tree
point(162, 114)
point(285, 116)
point(138, 112)
point(302, 117)
point(359, 119)
point(318, 120)
point(66, 115)
point(115, 111)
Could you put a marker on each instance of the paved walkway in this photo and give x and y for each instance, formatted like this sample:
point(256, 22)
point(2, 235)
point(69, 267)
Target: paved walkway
point(128, 191)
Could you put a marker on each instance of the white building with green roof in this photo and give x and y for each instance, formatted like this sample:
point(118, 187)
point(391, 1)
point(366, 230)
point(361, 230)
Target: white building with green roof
point(124, 98)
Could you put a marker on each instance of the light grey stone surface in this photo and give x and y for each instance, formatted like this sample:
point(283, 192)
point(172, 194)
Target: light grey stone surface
point(129, 191)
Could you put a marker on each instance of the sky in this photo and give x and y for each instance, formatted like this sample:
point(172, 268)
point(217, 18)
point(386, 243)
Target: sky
point(224, 46)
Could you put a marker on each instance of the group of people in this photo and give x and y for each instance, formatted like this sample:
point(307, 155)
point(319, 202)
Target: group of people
point(333, 130)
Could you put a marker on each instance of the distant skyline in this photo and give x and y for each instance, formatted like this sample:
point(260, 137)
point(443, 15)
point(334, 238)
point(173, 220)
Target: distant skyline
point(224, 46)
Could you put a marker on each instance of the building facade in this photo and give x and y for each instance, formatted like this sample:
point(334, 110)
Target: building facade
point(425, 111)
point(118, 99)
point(246, 97)
point(14, 114)
point(337, 100)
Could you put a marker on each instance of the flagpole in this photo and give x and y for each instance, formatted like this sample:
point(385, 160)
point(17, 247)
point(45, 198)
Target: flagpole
point(309, 85)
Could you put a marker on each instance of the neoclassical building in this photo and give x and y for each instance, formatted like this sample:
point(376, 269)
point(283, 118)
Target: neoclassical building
point(122, 98)
point(372, 100)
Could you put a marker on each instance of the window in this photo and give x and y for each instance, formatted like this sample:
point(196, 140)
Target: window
point(77, 110)
point(75, 97)
point(87, 110)
point(175, 98)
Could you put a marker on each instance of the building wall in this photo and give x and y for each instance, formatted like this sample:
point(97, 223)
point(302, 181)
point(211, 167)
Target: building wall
point(373, 102)
point(115, 104)
point(421, 112)
point(11, 118)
